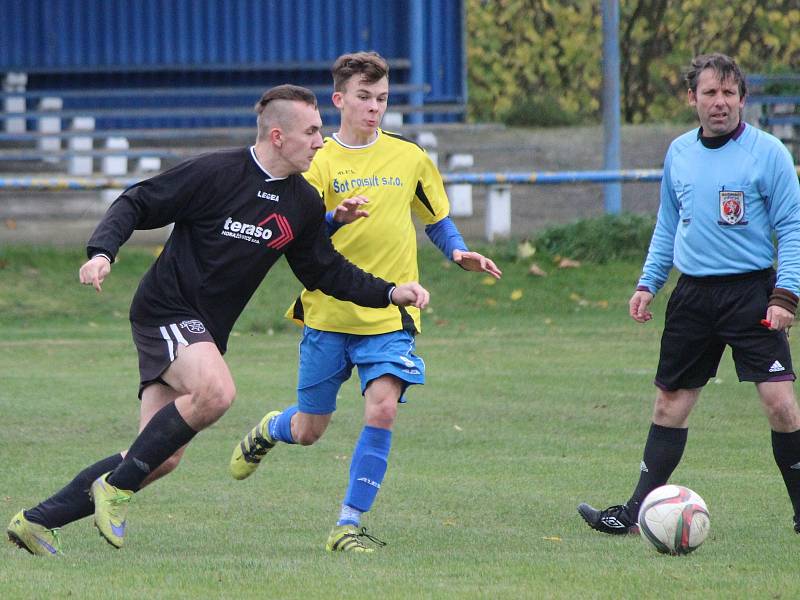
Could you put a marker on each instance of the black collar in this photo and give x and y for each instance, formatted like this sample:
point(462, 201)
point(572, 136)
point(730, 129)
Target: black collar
point(719, 141)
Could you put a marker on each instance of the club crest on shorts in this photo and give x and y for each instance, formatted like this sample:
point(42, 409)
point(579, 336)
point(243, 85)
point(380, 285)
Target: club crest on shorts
point(194, 326)
point(731, 208)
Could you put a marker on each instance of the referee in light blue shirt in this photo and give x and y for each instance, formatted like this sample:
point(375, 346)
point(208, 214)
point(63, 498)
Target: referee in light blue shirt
point(727, 188)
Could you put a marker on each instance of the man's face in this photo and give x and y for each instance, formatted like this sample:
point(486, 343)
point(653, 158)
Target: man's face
point(301, 137)
point(718, 103)
point(362, 104)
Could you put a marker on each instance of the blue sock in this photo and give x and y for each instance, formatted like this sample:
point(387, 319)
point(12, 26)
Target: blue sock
point(280, 427)
point(349, 516)
point(367, 467)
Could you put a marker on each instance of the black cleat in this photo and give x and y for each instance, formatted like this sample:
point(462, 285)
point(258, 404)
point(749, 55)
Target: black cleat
point(796, 525)
point(615, 520)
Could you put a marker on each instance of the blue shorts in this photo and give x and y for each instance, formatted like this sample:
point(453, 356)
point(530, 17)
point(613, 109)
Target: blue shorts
point(327, 358)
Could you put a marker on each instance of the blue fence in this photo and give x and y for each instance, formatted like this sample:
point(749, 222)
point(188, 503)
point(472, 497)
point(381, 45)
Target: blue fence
point(135, 44)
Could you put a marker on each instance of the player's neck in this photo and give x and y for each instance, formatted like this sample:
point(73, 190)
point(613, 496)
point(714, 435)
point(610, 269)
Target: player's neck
point(271, 162)
point(355, 137)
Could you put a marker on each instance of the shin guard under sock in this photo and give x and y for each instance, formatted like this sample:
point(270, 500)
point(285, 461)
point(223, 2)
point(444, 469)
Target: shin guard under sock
point(164, 435)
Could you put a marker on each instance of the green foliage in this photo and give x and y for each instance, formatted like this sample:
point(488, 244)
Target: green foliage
point(523, 50)
point(610, 237)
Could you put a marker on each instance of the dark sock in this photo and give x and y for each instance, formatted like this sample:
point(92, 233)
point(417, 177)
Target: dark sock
point(786, 450)
point(72, 502)
point(164, 435)
point(662, 453)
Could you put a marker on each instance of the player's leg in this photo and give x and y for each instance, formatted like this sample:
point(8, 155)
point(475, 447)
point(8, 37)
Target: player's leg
point(690, 354)
point(203, 391)
point(780, 405)
point(322, 370)
point(764, 357)
point(387, 365)
point(36, 529)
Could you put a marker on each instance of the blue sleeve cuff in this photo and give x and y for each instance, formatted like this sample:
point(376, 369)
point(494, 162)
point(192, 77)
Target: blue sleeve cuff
point(333, 226)
point(446, 237)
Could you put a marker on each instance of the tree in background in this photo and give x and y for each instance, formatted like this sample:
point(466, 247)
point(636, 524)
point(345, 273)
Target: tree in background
point(539, 62)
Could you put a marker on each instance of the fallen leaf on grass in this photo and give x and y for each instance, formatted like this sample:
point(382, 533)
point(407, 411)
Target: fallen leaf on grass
point(568, 263)
point(457, 428)
point(552, 538)
point(516, 295)
point(488, 280)
point(537, 271)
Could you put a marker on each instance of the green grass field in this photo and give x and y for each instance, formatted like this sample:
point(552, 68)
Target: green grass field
point(538, 397)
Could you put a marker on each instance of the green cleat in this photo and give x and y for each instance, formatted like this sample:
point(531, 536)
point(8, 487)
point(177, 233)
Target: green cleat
point(110, 510)
point(248, 453)
point(347, 538)
point(35, 538)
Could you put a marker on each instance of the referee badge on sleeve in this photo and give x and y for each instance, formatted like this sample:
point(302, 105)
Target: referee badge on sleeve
point(731, 208)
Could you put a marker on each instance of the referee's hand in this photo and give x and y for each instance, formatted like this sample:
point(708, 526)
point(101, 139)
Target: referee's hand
point(638, 306)
point(94, 271)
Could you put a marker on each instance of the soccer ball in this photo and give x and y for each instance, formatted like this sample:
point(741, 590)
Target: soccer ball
point(674, 520)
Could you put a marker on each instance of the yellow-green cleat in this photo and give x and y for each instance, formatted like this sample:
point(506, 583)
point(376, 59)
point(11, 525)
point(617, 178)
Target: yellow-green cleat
point(348, 538)
point(35, 538)
point(254, 446)
point(110, 510)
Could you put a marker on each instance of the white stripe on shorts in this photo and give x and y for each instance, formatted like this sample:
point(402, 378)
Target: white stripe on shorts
point(178, 335)
point(170, 345)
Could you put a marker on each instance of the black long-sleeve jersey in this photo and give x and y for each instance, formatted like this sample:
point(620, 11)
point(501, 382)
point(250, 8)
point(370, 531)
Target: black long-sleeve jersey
point(232, 222)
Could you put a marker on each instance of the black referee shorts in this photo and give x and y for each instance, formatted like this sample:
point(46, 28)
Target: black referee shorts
point(158, 346)
point(704, 314)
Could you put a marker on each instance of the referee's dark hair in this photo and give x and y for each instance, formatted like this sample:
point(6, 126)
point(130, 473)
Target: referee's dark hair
point(723, 65)
point(370, 65)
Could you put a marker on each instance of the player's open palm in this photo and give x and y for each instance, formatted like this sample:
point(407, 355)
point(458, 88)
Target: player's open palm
point(350, 210)
point(474, 261)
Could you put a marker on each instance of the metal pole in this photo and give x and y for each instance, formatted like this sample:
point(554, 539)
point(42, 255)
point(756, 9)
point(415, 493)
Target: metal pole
point(416, 53)
point(611, 108)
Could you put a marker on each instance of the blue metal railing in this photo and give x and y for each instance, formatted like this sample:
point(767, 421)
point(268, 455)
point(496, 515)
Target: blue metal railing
point(534, 177)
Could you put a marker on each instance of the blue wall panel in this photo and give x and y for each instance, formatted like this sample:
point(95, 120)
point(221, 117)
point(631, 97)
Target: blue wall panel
point(139, 43)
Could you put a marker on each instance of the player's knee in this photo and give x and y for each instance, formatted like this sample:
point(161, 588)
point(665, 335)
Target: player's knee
point(216, 395)
point(382, 414)
point(782, 413)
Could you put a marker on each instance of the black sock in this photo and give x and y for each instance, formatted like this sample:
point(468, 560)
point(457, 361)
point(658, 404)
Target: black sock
point(786, 450)
point(662, 453)
point(164, 435)
point(72, 502)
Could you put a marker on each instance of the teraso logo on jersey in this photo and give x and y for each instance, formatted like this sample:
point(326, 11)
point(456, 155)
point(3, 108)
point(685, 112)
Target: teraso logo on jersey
point(260, 233)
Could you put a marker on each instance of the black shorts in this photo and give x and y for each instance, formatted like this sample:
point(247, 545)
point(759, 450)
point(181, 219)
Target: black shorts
point(157, 346)
point(704, 314)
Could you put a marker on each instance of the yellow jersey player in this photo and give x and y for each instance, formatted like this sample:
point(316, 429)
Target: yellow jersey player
point(372, 181)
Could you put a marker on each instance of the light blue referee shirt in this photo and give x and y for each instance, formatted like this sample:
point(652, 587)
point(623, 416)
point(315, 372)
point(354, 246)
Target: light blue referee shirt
point(720, 206)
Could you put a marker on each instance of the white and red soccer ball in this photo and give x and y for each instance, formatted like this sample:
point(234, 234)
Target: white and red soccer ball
point(674, 519)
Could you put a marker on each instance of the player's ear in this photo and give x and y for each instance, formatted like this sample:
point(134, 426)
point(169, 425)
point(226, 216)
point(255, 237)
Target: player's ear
point(338, 99)
point(276, 136)
point(691, 97)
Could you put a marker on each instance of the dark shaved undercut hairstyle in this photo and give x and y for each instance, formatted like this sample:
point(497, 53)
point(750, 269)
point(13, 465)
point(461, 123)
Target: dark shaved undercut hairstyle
point(269, 111)
point(724, 67)
point(371, 66)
